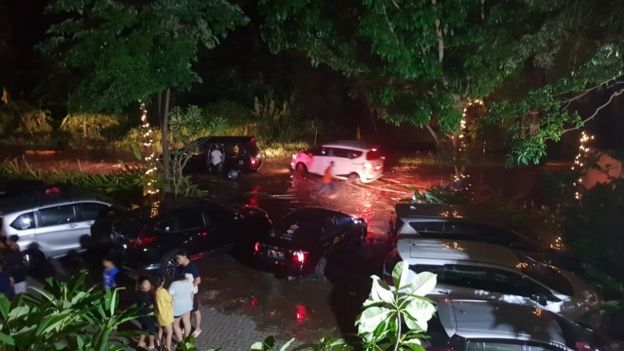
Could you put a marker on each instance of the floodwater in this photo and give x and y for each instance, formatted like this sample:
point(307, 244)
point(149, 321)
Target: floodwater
point(307, 308)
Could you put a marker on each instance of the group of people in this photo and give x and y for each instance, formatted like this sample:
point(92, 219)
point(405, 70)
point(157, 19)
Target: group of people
point(12, 268)
point(166, 309)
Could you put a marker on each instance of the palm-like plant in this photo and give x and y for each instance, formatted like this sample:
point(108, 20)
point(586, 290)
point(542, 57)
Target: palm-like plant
point(65, 316)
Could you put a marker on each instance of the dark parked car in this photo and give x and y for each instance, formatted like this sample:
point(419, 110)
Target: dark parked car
point(303, 240)
point(239, 153)
point(144, 242)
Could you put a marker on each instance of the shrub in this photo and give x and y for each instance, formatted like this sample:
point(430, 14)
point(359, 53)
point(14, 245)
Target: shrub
point(64, 316)
point(88, 125)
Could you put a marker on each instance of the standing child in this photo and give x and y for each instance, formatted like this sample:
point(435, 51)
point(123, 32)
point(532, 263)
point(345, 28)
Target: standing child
point(145, 300)
point(110, 273)
point(190, 270)
point(164, 311)
point(181, 289)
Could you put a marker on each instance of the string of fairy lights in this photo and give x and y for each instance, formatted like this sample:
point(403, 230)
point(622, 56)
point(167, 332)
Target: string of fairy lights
point(581, 160)
point(151, 186)
point(461, 137)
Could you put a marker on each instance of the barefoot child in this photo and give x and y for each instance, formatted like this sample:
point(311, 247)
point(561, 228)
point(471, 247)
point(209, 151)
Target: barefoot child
point(145, 300)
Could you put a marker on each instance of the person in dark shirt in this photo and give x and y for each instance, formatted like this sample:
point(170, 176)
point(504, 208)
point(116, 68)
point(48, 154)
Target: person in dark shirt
point(190, 270)
point(145, 300)
point(16, 266)
point(6, 282)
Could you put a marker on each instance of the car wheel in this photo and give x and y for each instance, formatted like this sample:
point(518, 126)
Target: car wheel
point(33, 259)
point(354, 177)
point(319, 270)
point(301, 168)
point(168, 265)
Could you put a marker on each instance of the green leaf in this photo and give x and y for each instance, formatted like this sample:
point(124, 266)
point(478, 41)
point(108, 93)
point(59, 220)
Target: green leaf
point(287, 345)
point(6, 340)
point(372, 317)
point(19, 311)
point(380, 292)
point(423, 283)
point(419, 312)
point(5, 306)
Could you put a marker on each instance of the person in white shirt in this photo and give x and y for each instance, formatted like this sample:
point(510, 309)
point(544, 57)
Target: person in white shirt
point(181, 290)
point(216, 159)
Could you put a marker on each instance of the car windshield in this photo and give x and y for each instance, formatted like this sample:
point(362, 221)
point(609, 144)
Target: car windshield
point(547, 276)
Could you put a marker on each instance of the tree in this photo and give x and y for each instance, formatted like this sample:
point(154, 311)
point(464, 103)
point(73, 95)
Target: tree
point(125, 51)
point(419, 62)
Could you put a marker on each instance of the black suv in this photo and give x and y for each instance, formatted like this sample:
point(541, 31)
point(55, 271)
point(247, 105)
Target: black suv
point(304, 239)
point(144, 241)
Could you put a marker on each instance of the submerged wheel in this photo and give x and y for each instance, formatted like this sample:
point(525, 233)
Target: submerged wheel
point(301, 168)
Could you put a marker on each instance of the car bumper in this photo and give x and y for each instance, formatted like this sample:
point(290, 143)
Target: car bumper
point(279, 267)
point(136, 260)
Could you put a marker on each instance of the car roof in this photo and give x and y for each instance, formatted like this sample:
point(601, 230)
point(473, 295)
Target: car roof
point(351, 144)
point(226, 139)
point(478, 319)
point(22, 203)
point(437, 251)
point(472, 213)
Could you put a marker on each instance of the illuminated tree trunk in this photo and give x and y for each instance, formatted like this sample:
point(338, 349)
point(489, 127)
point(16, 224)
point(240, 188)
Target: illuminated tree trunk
point(165, 140)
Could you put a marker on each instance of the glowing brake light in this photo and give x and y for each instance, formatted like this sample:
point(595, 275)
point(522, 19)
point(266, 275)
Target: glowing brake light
point(142, 240)
point(294, 157)
point(257, 247)
point(300, 256)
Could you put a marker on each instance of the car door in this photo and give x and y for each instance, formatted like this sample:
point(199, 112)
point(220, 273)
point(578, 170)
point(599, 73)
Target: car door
point(58, 230)
point(223, 228)
point(89, 212)
point(516, 288)
point(193, 226)
point(319, 161)
point(342, 163)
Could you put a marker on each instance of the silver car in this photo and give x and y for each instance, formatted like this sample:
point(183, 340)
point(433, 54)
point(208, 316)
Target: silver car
point(57, 222)
point(483, 271)
point(474, 325)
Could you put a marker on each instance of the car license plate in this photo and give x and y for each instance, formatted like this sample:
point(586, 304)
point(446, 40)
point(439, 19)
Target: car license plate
point(275, 254)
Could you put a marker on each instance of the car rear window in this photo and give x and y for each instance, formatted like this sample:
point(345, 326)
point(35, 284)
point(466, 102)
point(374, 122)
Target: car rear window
point(427, 227)
point(373, 154)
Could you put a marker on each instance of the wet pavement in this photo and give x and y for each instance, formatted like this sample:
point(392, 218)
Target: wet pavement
point(306, 308)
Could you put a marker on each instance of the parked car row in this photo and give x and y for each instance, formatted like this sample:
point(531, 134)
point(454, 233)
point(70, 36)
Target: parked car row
point(497, 288)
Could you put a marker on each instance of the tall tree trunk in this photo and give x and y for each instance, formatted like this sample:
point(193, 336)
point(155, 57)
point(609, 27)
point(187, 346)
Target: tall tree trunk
point(159, 106)
point(165, 139)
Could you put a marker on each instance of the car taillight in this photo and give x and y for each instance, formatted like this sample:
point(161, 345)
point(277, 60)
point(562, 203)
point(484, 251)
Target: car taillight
point(294, 157)
point(378, 167)
point(300, 256)
point(257, 247)
point(143, 240)
point(582, 346)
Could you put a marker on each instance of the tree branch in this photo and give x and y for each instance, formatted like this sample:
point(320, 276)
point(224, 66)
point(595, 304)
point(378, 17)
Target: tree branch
point(568, 101)
point(598, 109)
point(439, 35)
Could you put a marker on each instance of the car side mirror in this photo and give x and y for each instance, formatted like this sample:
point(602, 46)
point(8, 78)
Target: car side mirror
point(542, 299)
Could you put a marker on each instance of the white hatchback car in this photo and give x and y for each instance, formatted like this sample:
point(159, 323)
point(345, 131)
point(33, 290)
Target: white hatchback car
point(468, 269)
point(355, 160)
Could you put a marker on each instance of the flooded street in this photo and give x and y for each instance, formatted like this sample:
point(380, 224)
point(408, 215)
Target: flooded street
point(306, 308)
